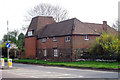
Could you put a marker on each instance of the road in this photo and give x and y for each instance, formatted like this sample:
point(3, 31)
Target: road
point(37, 71)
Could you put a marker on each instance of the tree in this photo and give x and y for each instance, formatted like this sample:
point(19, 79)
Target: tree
point(4, 38)
point(110, 43)
point(107, 46)
point(21, 42)
point(58, 13)
point(116, 25)
point(3, 49)
point(12, 36)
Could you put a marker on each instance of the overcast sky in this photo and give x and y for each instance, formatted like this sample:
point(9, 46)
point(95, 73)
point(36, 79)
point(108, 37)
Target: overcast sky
point(94, 11)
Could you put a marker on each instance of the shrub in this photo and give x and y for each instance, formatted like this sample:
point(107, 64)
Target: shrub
point(107, 47)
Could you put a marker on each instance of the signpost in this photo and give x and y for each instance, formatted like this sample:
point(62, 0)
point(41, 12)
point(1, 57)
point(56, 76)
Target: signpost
point(8, 46)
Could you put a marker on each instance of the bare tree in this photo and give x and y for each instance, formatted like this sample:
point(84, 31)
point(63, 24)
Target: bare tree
point(116, 25)
point(58, 13)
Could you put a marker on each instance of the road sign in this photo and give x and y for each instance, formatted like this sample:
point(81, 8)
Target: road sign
point(8, 45)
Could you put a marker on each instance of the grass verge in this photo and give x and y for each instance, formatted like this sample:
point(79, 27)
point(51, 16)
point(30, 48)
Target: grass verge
point(77, 64)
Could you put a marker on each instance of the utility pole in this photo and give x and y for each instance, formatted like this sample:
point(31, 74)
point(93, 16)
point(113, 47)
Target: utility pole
point(7, 41)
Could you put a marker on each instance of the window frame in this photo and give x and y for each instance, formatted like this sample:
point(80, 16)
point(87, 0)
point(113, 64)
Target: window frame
point(55, 51)
point(44, 39)
point(86, 37)
point(45, 52)
point(67, 38)
point(30, 33)
point(54, 39)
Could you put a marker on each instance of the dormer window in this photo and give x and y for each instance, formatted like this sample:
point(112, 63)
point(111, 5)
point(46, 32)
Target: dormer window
point(86, 37)
point(30, 33)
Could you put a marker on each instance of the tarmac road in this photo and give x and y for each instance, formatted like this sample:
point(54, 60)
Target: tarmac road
point(37, 71)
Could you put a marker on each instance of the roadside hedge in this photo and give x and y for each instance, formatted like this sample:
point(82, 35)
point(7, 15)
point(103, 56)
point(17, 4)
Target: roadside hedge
point(106, 47)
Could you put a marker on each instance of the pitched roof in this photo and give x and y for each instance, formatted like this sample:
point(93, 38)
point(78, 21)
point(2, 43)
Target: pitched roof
point(44, 26)
point(39, 22)
point(57, 29)
point(67, 27)
point(99, 28)
point(80, 28)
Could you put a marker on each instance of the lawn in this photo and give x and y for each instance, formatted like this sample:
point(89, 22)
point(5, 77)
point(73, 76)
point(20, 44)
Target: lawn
point(78, 64)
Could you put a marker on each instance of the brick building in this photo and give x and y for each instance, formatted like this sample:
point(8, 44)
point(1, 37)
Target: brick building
point(59, 41)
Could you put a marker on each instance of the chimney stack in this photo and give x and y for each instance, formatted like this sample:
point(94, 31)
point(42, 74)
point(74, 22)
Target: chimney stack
point(104, 22)
point(104, 25)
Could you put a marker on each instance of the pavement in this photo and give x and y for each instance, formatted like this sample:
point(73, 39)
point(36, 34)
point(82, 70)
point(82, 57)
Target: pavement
point(37, 71)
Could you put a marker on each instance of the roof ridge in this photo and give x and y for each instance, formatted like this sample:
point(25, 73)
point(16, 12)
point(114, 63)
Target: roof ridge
point(66, 20)
point(63, 21)
point(92, 23)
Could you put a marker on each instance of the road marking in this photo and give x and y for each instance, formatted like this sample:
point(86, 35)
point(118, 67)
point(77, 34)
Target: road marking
point(48, 72)
point(57, 67)
point(18, 74)
point(38, 74)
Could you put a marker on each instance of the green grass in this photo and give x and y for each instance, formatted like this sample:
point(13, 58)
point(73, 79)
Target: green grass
point(79, 64)
point(93, 64)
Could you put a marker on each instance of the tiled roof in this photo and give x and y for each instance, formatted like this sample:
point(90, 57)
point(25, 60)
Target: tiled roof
point(99, 28)
point(80, 28)
point(57, 29)
point(67, 27)
point(43, 26)
point(39, 22)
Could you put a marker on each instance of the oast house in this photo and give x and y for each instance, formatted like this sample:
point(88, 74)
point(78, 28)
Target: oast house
point(58, 41)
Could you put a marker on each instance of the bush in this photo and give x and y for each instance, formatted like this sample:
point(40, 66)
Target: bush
point(107, 47)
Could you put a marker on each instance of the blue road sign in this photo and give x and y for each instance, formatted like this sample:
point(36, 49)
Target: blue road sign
point(8, 45)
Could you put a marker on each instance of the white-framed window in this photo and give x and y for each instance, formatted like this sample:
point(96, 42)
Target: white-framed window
point(54, 39)
point(43, 39)
point(86, 37)
point(30, 33)
point(45, 52)
point(55, 50)
point(67, 38)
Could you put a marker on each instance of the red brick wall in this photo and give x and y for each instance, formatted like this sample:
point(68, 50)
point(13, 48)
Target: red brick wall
point(63, 47)
point(50, 44)
point(30, 47)
point(80, 42)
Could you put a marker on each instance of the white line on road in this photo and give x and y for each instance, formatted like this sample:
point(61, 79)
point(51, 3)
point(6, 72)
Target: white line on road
point(78, 69)
point(24, 76)
point(40, 74)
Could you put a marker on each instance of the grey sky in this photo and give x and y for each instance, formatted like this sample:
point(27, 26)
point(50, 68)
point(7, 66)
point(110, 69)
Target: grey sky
point(94, 11)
